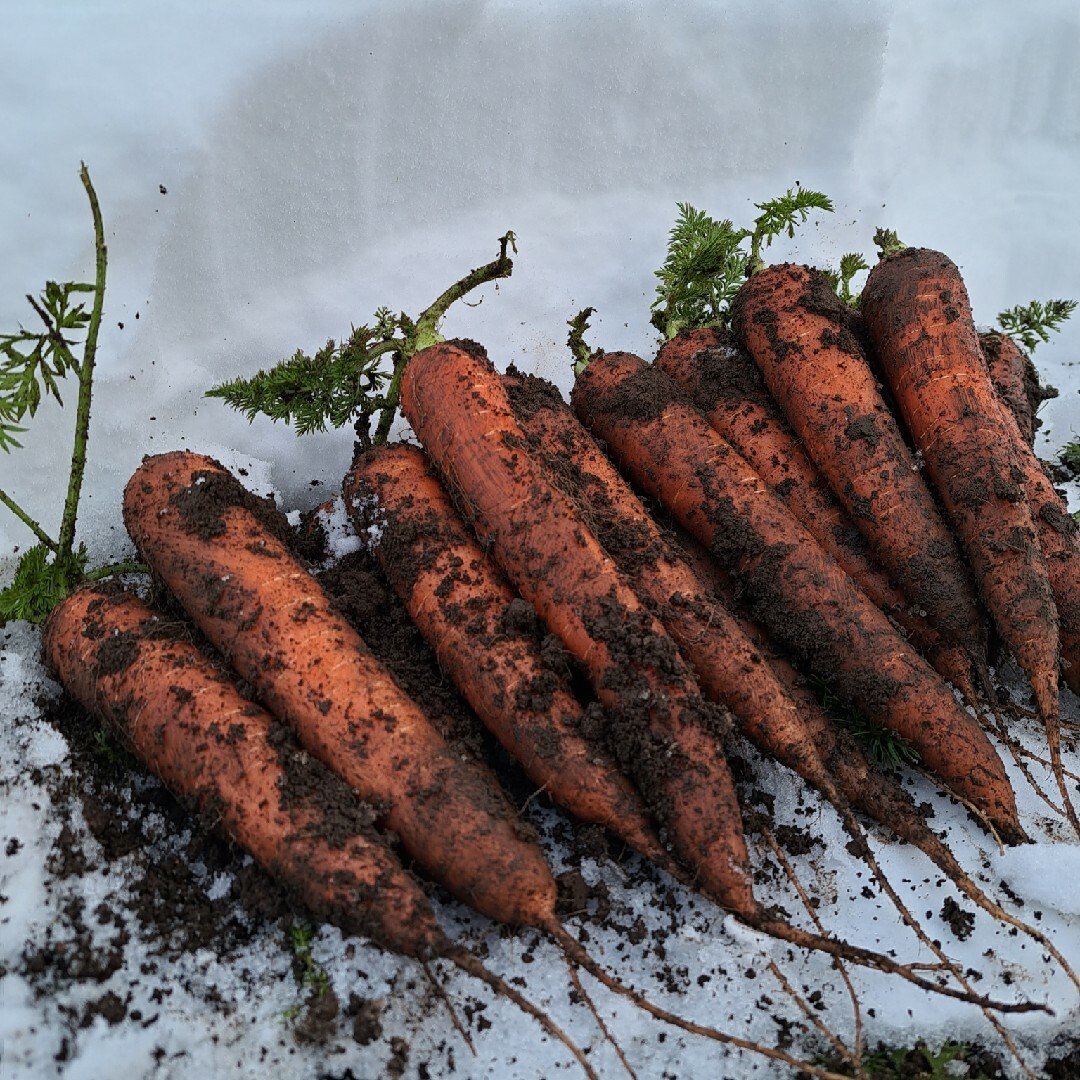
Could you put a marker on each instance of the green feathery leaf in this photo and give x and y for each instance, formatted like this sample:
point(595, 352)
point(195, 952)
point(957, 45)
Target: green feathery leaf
point(707, 261)
point(1034, 322)
point(40, 583)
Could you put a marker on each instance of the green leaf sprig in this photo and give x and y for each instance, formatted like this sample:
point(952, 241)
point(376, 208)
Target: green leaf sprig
point(32, 364)
point(1034, 322)
point(358, 379)
point(707, 260)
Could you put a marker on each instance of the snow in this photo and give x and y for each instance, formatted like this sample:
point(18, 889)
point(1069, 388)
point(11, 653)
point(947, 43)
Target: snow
point(321, 160)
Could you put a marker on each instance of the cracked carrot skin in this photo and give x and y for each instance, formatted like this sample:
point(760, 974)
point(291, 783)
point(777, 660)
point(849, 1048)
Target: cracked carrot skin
point(669, 450)
point(483, 635)
point(919, 320)
point(1058, 534)
point(183, 717)
point(214, 546)
point(723, 381)
point(795, 327)
point(663, 731)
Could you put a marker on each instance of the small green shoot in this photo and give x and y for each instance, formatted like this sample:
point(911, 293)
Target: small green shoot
point(707, 260)
point(1034, 322)
point(841, 279)
point(32, 364)
point(1070, 455)
point(576, 339)
point(309, 974)
point(918, 1062)
point(358, 380)
point(883, 744)
point(887, 242)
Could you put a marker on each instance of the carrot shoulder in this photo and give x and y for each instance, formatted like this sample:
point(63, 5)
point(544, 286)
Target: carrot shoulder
point(209, 541)
point(723, 381)
point(919, 320)
point(484, 636)
point(808, 603)
point(795, 328)
point(187, 722)
point(666, 734)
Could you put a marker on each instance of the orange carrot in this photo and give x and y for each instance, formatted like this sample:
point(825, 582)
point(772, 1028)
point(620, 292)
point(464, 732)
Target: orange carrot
point(810, 605)
point(1016, 381)
point(795, 327)
point(483, 634)
point(1057, 531)
point(723, 381)
point(667, 734)
point(203, 535)
point(919, 319)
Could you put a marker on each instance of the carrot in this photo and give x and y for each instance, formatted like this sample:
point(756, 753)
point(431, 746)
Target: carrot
point(1059, 542)
point(727, 386)
point(919, 319)
point(187, 722)
point(183, 717)
point(795, 327)
point(205, 536)
point(483, 635)
point(214, 546)
point(1055, 527)
point(808, 603)
point(1016, 381)
point(455, 402)
point(668, 734)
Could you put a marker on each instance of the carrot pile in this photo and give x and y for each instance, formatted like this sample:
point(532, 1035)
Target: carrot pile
point(799, 536)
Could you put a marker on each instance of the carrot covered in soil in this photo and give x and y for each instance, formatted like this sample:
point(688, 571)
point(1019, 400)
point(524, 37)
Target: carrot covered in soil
point(919, 320)
point(796, 328)
point(1055, 527)
point(485, 638)
point(807, 602)
point(723, 381)
point(218, 550)
point(456, 404)
point(187, 722)
point(1016, 381)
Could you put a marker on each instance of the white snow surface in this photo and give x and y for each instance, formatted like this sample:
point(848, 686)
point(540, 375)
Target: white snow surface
point(270, 174)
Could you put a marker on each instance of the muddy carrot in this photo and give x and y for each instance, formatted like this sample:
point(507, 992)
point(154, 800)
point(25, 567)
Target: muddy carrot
point(1016, 381)
point(919, 320)
point(723, 381)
